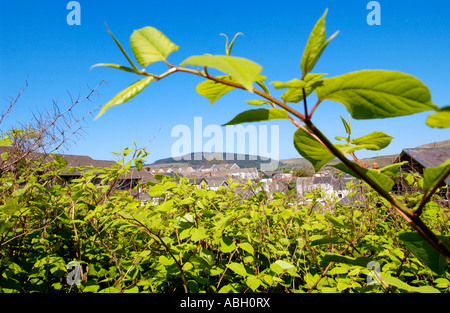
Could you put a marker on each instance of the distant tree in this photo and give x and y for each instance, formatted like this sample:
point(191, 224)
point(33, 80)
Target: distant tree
point(303, 172)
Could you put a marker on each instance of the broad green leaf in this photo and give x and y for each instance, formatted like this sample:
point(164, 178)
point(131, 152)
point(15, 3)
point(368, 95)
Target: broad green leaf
point(149, 45)
point(213, 90)
point(285, 265)
point(238, 268)
point(382, 180)
point(371, 94)
point(139, 164)
point(327, 241)
point(392, 169)
point(240, 69)
point(253, 282)
point(423, 251)
point(337, 258)
point(347, 148)
point(433, 175)
point(126, 94)
point(311, 149)
point(60, 161)
point(258, 115)
point(336, 222)
point(374, 141)
point(315, 45)
point(246, 247)
point(226, 245)
point(295, 94)
point(440, 119)
point(199, 234)
point(6, 141)
point(393, 281)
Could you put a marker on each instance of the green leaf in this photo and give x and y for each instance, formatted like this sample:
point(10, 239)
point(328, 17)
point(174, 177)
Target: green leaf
point(258, 102)
point(149, 45)
point(258, 115)
point(199, 234)
point(337, 258)
point(370, 94)
point(327, 241)
point(423, 251)
point(285, 265)
point(242, 70)
point(315, 45)
point(432, 175)
point(213, 90)
point(226, 245)
point(382, 180)
point(295, 94)
point(347, 126)
point(337, 223)
point(6, 141)
point(121, 49)
point(440, 119)
point(392, 169)
point(311, 149)
point(126, 94)
point(253, 282)
point(139, 164)
point(393, 281)
point(247, 247)
point(120, 67)
point(60, 161)
point(238, 268)
point(374, 141)
point(294, 83)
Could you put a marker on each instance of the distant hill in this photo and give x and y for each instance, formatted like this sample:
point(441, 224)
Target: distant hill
point(439, 144)
point(206, 158)
point(245, 160)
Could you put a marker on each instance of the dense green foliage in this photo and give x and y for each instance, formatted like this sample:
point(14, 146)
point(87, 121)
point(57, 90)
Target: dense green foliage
point(199, 240)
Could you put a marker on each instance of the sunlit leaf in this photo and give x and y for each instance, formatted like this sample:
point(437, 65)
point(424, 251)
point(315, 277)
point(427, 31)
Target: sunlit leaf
point(432, 175)
point(213, 90)
point(376, 140)
point(258, 115)
point(440, 119)
point(126, 94)
point(149, 45)
point(244, 71)
point(295, 94)
point(315, 45)
point(311, 149)
point(370, 94)
point(382, 180)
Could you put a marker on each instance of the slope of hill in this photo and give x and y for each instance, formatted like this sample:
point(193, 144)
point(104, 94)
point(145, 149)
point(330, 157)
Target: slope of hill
point(198, 158)
point(439, 144)
point(245, 160)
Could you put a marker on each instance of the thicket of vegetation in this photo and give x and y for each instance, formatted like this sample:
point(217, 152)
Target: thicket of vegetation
point(199, 240)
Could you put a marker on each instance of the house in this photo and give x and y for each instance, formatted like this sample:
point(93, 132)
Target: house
point(417, 160)
point(78, 164)
point(215, 182)
point(330, 184)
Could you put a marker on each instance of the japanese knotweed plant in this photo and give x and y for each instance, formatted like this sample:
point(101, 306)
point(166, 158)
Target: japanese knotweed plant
point(367, 94)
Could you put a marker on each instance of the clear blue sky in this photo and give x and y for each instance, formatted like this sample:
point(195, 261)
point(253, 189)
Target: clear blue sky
point(38, 45)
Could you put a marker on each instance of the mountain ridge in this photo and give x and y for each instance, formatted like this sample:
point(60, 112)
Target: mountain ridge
point(246, 160)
